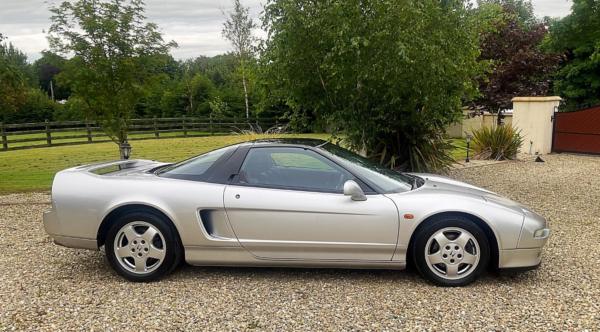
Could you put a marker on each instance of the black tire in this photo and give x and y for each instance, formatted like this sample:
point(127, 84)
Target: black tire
point(166, 241)
point(438, 273)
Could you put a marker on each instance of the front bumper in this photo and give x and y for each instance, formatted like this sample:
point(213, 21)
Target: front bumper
point(520, 258)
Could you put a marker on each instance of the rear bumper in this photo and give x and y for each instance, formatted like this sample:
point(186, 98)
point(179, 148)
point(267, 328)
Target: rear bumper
point(51, 222)
point(52, 227)
point(520, 259)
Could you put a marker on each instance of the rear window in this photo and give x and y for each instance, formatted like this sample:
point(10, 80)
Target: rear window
point(199, 168)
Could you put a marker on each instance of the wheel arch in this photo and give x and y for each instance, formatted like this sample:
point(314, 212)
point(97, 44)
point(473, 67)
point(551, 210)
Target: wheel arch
point(482, 224)
point(113, 215)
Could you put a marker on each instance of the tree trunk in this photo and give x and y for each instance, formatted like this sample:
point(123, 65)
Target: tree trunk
point(246, 96)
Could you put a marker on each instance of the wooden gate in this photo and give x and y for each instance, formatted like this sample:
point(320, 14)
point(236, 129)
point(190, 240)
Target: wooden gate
point(577, 131)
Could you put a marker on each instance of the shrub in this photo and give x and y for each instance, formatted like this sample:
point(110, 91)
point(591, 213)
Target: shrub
point(497, 142)
point(430, 153)
point(257, 133)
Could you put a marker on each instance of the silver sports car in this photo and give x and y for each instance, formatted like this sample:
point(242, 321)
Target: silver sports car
point(293, 203)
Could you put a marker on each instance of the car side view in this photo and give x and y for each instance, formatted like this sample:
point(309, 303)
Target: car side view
point(293, 203)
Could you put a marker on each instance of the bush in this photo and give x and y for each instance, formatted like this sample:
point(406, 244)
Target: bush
point(72, 110)
point(429, 153)
point(497, 142)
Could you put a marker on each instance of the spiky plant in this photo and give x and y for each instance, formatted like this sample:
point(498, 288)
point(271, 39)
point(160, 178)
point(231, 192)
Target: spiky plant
point(256, 132)
point(496, 142)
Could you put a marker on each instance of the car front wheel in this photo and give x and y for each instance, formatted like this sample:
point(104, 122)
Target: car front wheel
point(451, 251)
point(142, 247)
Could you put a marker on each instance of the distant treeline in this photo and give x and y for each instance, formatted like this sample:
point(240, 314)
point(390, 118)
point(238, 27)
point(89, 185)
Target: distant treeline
point(197, 87)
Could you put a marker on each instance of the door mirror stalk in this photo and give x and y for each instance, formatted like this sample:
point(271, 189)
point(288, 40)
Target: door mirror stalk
point(351, 188)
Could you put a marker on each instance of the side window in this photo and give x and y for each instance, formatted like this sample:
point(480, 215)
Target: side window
point(294, 168)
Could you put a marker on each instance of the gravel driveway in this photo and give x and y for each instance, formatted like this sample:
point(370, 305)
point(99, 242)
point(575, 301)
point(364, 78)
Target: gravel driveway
point(48, 287)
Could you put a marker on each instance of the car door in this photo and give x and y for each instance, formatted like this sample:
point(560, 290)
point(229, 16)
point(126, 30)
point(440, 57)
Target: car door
point(288, 203)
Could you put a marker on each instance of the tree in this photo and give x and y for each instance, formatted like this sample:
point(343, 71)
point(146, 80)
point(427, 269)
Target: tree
point(522, 8)
point(518, 67)
point(12, 88)
point(116, 57)
point(577, 34)
point(390, 75)
point(46, 68)
point(237, 29)
point(19, 60)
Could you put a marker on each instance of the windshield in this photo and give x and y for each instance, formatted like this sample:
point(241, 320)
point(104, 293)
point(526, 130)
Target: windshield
point(386, 179)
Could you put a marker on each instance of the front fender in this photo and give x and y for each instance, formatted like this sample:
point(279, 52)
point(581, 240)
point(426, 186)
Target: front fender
point(505, 223)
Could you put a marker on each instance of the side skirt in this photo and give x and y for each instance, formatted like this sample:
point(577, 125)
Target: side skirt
point(238, 256)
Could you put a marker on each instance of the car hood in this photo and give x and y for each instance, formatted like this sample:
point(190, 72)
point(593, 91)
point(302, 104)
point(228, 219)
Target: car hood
point(438, 182)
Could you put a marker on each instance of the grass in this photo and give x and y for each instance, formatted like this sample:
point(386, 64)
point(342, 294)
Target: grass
point(84, 139)
point(460, 153)
point(32, 170)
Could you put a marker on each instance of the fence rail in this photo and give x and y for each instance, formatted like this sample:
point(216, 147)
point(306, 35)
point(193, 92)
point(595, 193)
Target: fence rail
point(59, 133)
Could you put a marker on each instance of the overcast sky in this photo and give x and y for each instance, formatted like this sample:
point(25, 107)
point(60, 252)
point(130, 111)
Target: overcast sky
point(194, 24)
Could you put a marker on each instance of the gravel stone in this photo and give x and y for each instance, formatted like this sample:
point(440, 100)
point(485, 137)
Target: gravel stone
point(51, 288)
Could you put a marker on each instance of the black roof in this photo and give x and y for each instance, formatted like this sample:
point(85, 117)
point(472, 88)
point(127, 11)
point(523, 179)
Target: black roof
point(312, 142)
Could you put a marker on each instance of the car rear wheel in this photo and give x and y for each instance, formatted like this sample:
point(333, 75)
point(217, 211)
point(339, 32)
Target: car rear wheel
point(451, 251)
point(141, 247)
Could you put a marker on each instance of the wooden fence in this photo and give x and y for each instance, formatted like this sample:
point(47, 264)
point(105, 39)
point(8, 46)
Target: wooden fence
point(83, 132)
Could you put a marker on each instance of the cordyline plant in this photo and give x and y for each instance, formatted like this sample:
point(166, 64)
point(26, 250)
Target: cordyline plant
point(389, 74)
point(116, 56)
point(518, 68)
point(496, 142)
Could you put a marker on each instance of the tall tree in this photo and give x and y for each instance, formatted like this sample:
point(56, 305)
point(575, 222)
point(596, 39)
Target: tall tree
point(19, 59)
point(46, 68)
point(12, 88)
point(518, 67)
point(389, 74)
point(522, 8)
point(116, 57)
point(578, 81)
point(237, 29)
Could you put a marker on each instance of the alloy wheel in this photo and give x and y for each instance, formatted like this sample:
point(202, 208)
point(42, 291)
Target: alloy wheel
point(140, 247)
point(452, 253)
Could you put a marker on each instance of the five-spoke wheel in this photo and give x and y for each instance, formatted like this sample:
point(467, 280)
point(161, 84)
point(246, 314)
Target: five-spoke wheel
point(142, 246)
point(451, 251)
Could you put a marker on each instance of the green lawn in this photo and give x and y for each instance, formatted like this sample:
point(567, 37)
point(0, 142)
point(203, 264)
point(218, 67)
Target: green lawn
point(32, 170)
point(42, 136)
point(460, 153)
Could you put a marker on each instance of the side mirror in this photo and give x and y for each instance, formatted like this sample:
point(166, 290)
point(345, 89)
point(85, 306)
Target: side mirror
point(351, 188)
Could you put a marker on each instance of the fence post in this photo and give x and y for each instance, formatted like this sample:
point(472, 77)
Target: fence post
point(184, 127)
point(48, 134)
point(155, 127)
point(212, 130)
point(89, 131)
point(4, 139)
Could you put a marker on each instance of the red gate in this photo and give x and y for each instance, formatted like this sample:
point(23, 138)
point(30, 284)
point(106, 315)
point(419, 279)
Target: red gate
point(577, 131)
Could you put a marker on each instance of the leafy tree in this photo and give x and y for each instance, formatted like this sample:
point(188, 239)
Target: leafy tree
point(218, 107)
point(46, 67)
point(577, 34)
point(12, 89)
point(518, 67)
point(522, 8)
point(116, 57)
point(19, 60)
point(391, 75)
point(238, 30)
